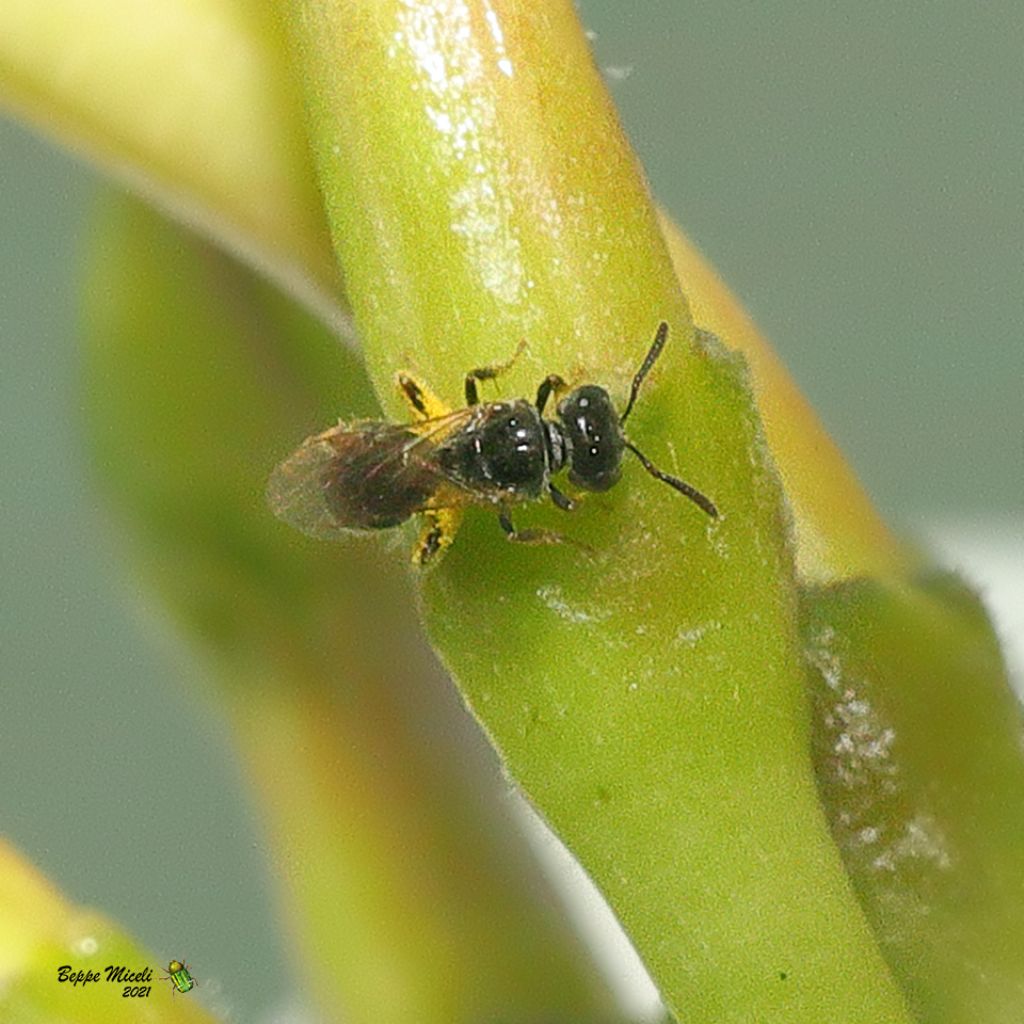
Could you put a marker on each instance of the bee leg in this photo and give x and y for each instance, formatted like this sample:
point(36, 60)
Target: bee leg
point(422, 402)
point(563, 501)
point(529, 536)
point(550, 383)
point(489, 373)
point(439, 529)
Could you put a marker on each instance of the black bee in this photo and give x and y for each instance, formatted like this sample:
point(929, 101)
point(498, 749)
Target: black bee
point(371, 475)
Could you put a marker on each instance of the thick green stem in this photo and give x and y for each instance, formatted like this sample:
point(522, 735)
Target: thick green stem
point(647, 694)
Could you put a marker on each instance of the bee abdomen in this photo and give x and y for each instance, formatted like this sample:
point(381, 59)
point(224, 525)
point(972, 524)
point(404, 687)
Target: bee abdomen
point(371, 487)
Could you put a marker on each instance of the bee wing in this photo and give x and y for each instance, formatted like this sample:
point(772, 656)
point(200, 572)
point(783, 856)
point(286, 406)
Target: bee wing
point(435, 430)
point(297, 491)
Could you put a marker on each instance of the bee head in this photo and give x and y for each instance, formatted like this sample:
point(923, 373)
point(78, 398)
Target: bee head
point(594, 435)
point(595, 440)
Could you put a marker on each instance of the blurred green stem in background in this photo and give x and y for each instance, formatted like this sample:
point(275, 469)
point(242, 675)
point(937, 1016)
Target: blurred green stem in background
point(411, 895)
point(189, 103)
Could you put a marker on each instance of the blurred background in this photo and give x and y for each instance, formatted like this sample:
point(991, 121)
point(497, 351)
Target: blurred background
point(854, 173)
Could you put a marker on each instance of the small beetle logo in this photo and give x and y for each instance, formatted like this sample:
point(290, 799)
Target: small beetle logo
point(179, 976)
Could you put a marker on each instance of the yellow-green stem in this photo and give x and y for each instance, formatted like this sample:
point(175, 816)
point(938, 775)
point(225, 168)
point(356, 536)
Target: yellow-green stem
point(647, 697)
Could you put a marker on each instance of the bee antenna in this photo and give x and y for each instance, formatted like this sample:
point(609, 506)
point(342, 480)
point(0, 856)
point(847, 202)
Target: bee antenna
point(645, 367)
point(680, 485)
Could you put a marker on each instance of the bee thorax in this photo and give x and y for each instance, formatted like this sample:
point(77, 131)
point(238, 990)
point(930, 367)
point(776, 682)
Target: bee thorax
point(557, 446)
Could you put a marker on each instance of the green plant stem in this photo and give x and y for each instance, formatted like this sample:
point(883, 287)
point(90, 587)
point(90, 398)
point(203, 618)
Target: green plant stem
point(648, 697)
point(917, 747)
point(838, 534)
